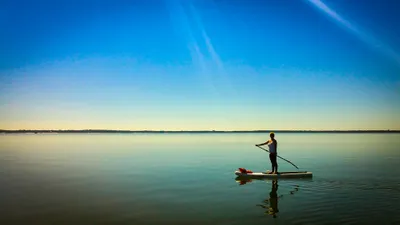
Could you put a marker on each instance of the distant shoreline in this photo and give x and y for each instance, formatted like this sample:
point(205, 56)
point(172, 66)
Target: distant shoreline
point(197, 131)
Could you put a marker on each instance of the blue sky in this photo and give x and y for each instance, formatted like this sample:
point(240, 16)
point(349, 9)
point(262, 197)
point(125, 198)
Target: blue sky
point(200, 64)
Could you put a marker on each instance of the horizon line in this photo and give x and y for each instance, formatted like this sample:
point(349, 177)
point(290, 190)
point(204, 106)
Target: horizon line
point(191, 131)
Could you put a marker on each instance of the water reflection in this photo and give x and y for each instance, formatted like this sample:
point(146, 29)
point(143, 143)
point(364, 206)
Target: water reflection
point(270, 204)
point(273, 200)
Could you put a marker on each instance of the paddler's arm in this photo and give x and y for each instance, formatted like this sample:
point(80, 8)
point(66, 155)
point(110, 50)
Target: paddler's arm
point(263, 143)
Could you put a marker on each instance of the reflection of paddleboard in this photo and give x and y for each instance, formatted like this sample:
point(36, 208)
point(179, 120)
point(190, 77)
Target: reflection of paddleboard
point(279, 175)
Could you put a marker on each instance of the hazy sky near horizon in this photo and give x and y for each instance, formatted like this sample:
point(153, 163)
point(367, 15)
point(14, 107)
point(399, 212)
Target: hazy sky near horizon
point(200, 64)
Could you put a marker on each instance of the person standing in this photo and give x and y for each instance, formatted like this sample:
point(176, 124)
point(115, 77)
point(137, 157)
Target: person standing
point(273, 147)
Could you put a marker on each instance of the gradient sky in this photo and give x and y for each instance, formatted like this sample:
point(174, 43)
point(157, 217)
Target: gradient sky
point(200, 64)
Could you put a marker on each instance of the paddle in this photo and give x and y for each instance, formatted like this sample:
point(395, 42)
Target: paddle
point(279, 157)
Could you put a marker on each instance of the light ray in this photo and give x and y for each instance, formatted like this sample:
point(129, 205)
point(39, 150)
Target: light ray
point(180, 18)
point(213, 53)
point(366, 38)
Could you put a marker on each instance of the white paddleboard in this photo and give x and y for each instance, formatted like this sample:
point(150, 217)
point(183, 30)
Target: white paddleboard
point(279, 175)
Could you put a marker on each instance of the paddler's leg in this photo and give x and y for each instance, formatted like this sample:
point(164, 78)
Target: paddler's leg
point(271, 158)
point(274, 164)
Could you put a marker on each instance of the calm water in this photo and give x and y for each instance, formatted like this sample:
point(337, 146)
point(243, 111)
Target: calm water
point(188, 179)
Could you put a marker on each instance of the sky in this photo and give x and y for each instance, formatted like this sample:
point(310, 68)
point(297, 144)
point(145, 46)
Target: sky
point(200, 64)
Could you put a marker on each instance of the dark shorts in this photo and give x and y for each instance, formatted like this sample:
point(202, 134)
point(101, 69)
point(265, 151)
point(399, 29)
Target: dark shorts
point(272, 157)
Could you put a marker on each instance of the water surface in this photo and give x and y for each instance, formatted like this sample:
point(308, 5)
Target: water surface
point(188, 179)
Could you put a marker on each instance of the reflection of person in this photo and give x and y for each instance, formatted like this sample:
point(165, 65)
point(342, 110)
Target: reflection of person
point(273, 146)
point(273, 199)
point(272, 209)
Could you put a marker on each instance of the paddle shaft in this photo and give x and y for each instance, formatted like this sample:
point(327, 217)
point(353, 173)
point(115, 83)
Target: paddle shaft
point(279, 157)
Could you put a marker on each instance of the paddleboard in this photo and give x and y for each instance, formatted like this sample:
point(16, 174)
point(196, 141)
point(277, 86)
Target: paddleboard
point(298, 174)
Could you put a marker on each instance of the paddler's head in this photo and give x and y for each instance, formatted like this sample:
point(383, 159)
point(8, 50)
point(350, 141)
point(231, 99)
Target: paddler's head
point(272, 134)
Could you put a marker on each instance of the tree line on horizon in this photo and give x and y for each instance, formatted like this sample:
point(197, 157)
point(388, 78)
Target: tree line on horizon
point(193, 131)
